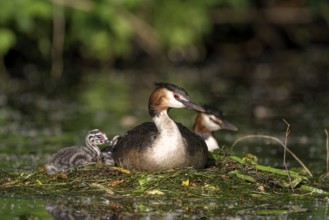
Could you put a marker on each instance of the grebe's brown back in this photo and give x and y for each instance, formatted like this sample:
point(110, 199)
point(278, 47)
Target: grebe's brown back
point(162, 144)
point(210, 121)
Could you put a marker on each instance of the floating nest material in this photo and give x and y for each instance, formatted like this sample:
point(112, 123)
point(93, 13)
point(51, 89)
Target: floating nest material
point(230, 180)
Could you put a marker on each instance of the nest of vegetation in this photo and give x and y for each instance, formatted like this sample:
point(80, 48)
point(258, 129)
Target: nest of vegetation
point(230, 186)
point(230, 178)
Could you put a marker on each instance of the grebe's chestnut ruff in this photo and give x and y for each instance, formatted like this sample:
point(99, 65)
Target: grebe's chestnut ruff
point(210, 121)
point(70, 157)
point(162, 144)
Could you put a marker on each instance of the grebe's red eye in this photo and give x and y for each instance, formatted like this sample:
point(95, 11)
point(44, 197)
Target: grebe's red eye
point(176, 96)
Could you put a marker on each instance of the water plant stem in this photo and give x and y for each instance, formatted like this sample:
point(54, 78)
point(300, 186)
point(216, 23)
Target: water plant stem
point(275, 140)
point(285, 152)
point(327, 146)
point(270, 169)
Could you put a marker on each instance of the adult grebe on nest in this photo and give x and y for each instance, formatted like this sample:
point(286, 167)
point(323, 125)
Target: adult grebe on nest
point(162, 144)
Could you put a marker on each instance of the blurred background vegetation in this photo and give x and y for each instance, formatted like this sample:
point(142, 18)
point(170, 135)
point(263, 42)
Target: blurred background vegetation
point(70, 65)
point(55, 39)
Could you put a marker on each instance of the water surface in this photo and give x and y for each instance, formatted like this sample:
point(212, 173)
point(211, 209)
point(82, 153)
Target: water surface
point(256, 96)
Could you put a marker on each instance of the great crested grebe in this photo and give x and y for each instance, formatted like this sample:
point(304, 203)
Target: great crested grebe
point(70, 157)
point(162, 144)
point(210, 121)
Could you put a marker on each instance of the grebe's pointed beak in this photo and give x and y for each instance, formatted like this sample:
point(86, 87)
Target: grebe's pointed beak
point(225, 125)
point(192, 105)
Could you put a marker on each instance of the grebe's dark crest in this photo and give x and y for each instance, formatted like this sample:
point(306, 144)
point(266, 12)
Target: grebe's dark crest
point(210, 121)
point(71, 157)
point(162, 144)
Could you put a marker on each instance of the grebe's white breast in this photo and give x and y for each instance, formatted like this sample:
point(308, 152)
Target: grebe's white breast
point(211, 143)
point(169, 143)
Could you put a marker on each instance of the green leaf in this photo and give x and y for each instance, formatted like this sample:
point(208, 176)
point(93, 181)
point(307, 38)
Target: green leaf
point(7, 40)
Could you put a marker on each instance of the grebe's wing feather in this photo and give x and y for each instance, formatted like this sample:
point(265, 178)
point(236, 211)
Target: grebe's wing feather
point(131, 146)
point(141, 136)
point(129, 151)
point(192, 139)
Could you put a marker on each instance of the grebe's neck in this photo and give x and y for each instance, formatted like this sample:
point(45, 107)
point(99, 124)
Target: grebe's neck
point(92, 147)
point(201, 128)
point(164, 123)
point(169, 141)
point(211, 143)
point(158, 110)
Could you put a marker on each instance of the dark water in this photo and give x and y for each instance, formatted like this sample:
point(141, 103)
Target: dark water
point(256, 96)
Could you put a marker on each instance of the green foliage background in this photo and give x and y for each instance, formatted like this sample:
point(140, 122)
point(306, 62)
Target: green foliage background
point(104, 29)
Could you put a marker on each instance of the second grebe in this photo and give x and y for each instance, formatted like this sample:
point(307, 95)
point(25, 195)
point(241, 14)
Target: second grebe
point(70, 157)
point(162, 144)
point(208, 122)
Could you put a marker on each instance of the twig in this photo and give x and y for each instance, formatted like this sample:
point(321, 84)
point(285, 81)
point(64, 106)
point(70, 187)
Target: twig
point(57, 41)
point(278, 141)
point(327, 146)
point(101, 187)
point(145, 35)
point(285, 152)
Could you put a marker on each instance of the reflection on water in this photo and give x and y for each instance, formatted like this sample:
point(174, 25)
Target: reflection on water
point(22, 208)
point(60, 211)
point(256, 97)
point(104, 208)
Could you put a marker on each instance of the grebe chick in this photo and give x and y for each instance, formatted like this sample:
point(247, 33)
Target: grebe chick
point(210, 121)
point(70, 157)
point(107, 153)
point(162, 144)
